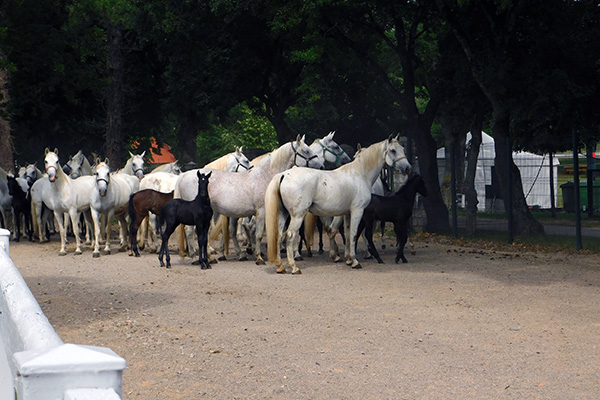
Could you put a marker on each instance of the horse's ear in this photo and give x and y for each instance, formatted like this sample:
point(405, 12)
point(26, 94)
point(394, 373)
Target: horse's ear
point(303, 138)
point(97, 161)
point(298, 138)
point(106, 161)
point(131, 154)
point(358, 147)
point(390, 138)
point(209, 174)
point(330, 136)
point(47, 151)
point(142, 155)
point(56, 150)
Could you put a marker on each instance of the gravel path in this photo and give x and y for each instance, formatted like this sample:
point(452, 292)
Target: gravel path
point(454, 323)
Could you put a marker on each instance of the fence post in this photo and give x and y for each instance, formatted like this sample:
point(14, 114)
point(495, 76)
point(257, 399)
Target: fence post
point(576, 196)
point(509, 199)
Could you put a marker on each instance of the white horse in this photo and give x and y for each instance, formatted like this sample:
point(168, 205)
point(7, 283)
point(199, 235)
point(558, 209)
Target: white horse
point(329, 153)
point(61, 194)
point(343, 191)
point(242, 194)
point(5, 201)
point(30, 173)
point(110, 198)
point(165, 182)
point(78, 165)
point(134, 165)
point(171, 167)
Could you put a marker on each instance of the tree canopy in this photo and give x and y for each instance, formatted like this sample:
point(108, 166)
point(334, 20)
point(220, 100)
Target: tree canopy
point(205, 76)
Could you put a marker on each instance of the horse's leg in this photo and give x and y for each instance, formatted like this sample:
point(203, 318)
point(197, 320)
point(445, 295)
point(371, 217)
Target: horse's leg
point(123, 232)
point(97, 220)
point(292, 242)
point(75, 223)
point(17, 215)
point(152, 237)
point(331, 232)
point(133, 230)
point(236, 244)
point(165, 243)
point(371, 245)
point(354, 221)
point(382, 226)
point(260, 231)
point(320, 229)
point(109, 217)
point(401, 236)
point(142, 232)
point(63, 234)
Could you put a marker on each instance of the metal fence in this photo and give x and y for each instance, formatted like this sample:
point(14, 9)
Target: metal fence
point(549, 186)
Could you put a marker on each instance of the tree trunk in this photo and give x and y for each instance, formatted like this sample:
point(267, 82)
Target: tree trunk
point(187, 145)
point(469, 184)
point(523, 220)
point(6, 143)
point(115, 98)
point(435, 209)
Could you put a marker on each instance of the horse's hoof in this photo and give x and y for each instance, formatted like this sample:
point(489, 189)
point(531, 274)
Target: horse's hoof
point(321, 251)
point(196, 262)
point(222, 258)
point(213, 261)
point(297, 272)
point(62, 253)
point(357, 266)
point(78, 252)
point(107, 252)
point(243, 258)
point(249, 250)
point(260, 262)
point(95, 254)
point(122, 249)
point(281, 270)
point(298, 258)
point(309, 254)
point(168, 266)
point(380, 262)
point(413, 253)
point(17, 239)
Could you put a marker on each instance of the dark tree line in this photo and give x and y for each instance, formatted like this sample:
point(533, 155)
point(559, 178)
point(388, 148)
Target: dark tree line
point(101, 75)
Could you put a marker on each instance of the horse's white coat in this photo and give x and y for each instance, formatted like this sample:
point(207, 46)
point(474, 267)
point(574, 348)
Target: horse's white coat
point(242, 194)
point(61, 194)
point(111, 198)
point(343, 191)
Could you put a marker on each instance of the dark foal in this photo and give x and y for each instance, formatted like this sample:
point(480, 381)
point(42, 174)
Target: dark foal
point(197, 212)
point(21, 205)
point(140, 204)
point(397, 209)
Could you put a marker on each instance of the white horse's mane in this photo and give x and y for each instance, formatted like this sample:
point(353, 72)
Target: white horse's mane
point(366, 158)
point(279, 155)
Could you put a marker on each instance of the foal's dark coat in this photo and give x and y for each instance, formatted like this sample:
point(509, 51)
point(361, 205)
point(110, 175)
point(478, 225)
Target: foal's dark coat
point(21, 204)
point(140, 204)
point(396, 208)
point(197, 212)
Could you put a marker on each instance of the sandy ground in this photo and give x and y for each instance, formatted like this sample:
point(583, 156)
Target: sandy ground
point(454, 323)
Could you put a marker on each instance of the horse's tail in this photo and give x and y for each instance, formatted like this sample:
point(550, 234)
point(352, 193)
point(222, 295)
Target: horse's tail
point(272, 206)
point(310, 221)
point(131, 211)
point(221, 225)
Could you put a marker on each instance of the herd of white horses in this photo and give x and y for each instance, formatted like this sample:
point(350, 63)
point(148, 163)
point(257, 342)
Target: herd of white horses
point(276, 191)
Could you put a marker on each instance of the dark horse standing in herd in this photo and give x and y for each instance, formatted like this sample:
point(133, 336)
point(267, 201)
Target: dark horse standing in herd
point(197, 212)
point(396, 208)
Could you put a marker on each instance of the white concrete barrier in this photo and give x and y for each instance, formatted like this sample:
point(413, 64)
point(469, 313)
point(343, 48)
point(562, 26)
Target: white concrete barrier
point(35, 364)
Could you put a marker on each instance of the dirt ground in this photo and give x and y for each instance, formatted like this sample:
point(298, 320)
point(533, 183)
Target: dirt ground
point(453, 323)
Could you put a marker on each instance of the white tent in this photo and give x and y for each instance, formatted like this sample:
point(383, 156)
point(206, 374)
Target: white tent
point(535, 175)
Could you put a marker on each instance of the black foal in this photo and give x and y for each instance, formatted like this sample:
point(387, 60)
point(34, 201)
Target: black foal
point(197, 212)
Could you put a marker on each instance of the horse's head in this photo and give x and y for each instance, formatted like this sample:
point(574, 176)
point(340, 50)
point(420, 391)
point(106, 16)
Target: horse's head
point(102, 175)
point(395, 157)
point(331, 151)
point(175, 169)
point(137, 164)
point(203, 183)
point(51, 164)
point(74, 166)
point(304, 156)
point(238, 161)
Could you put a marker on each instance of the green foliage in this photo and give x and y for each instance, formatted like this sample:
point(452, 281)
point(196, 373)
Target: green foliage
point(240, 128)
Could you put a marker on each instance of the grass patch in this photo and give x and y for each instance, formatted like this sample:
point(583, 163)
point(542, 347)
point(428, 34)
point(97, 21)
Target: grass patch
point(495, 240)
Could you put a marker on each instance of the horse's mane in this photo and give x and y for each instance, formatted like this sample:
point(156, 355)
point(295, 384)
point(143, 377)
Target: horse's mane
point(220, 163)
point(366, 158)
point(278, 156)
point(3, 173)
